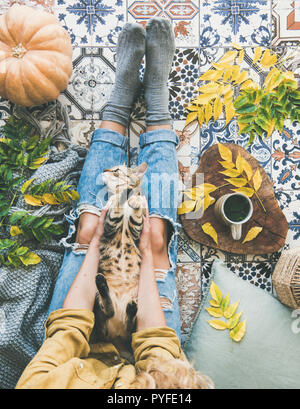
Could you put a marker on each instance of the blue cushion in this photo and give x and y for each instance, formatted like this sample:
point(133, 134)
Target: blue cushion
point(268, 357)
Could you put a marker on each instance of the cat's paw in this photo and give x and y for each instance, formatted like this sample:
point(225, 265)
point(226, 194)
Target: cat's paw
point(101, 283)
point(136, 202)
point(131, 309)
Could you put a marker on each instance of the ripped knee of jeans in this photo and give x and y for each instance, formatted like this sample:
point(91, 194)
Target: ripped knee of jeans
point(73, 220)
point(160, 274)
point(166, 303)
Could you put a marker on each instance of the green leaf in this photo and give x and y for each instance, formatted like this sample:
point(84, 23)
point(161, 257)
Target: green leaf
point(6, 243)
point(241, 101)
point(246, 109)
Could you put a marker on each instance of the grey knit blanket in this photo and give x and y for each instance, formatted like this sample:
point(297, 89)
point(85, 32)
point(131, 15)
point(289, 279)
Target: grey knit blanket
point(25, 293)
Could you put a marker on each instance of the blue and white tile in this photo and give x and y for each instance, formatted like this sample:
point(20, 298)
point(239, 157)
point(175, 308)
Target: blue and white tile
point(260, 149)
point(258, 274)
point(286, 157)
point(188, 249)
point(289, 204)
point(247, 22)
point(92, 22)
point(217, 132)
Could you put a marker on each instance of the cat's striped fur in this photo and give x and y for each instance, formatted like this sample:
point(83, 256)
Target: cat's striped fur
point(120, 259)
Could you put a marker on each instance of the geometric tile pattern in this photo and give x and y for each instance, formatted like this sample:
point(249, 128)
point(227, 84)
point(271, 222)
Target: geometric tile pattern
point(203, 31)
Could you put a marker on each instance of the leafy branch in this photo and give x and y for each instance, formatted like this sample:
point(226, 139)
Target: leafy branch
point(22, 151)
point(259, 110)
point(221, 308)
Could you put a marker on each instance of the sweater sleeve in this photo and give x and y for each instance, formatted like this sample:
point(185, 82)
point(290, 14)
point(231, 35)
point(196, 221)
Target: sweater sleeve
point(161, 342)
point(67, 336)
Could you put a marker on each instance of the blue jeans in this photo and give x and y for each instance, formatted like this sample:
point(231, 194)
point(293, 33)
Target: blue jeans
point(160, 186)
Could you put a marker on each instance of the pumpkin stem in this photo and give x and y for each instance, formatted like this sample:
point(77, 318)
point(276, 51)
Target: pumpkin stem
point(18, 51)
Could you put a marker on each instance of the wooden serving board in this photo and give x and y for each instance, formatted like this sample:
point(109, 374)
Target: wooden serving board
point(273, 221)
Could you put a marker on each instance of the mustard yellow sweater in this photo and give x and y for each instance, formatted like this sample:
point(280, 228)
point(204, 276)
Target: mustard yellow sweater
point(66, 360)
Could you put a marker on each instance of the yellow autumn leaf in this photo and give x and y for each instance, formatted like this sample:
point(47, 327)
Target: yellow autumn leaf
point(227, 165)
point(236, 46)
point(200, 116)
point(231, 309)
point(208, 200)
point(274, 72)
point(228, 57)
point(191, 117)
point(271, 128)
point(235, 72)
point(218, 324)
point(186, 207)
point(232, 173)
point(209, 88)
point(216, 293)
point(30, 258)
point(225, 152)
point(227, 74)
point(228, 94)
point(25, 185)
point(208, 111)
point(249, 84)
point(225, 302)
point(204, 99)
point(239, 163)
point(257, 180)
point(229, 111)
point(33, 200)
point(237, 182)
point(257, 54)
point(50, 199)
point(39, 161)
point(215, 312)
point(192, 108)
point(248, 191)
point(242, 77)
point(247, 168)
point(15, 231)
point(233, 321)
point(241, 56)
point(210, 231)
point(214, 303)
point(218, 106)
point(252, 233)
point(238, 333)
point(199, 205)
point(268, 59)
point(211, 75)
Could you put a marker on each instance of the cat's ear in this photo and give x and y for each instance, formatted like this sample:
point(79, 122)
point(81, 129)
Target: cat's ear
point(141, 169)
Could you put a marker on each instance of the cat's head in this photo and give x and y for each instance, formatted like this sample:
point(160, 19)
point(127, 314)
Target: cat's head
point(120, 177)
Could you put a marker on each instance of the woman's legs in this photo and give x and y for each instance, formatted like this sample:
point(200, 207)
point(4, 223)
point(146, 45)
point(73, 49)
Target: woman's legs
point(108, 148)
point(158, 150)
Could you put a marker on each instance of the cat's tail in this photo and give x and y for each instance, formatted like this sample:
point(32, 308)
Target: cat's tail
point(170, 374)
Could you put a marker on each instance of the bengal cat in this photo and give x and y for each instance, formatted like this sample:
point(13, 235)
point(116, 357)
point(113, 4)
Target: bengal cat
point(118, 273)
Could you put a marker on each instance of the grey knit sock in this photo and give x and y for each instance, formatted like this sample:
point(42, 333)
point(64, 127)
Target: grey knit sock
point(130, 52)
point(160, 48)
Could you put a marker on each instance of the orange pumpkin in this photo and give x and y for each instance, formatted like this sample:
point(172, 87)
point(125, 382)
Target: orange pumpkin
point(35, 56)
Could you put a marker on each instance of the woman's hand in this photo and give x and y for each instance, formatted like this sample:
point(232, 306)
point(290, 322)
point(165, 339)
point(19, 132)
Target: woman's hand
point(145, 239)
point(100, 228)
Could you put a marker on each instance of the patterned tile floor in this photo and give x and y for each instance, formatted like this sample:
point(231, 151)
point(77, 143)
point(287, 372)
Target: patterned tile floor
point(203, 29)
